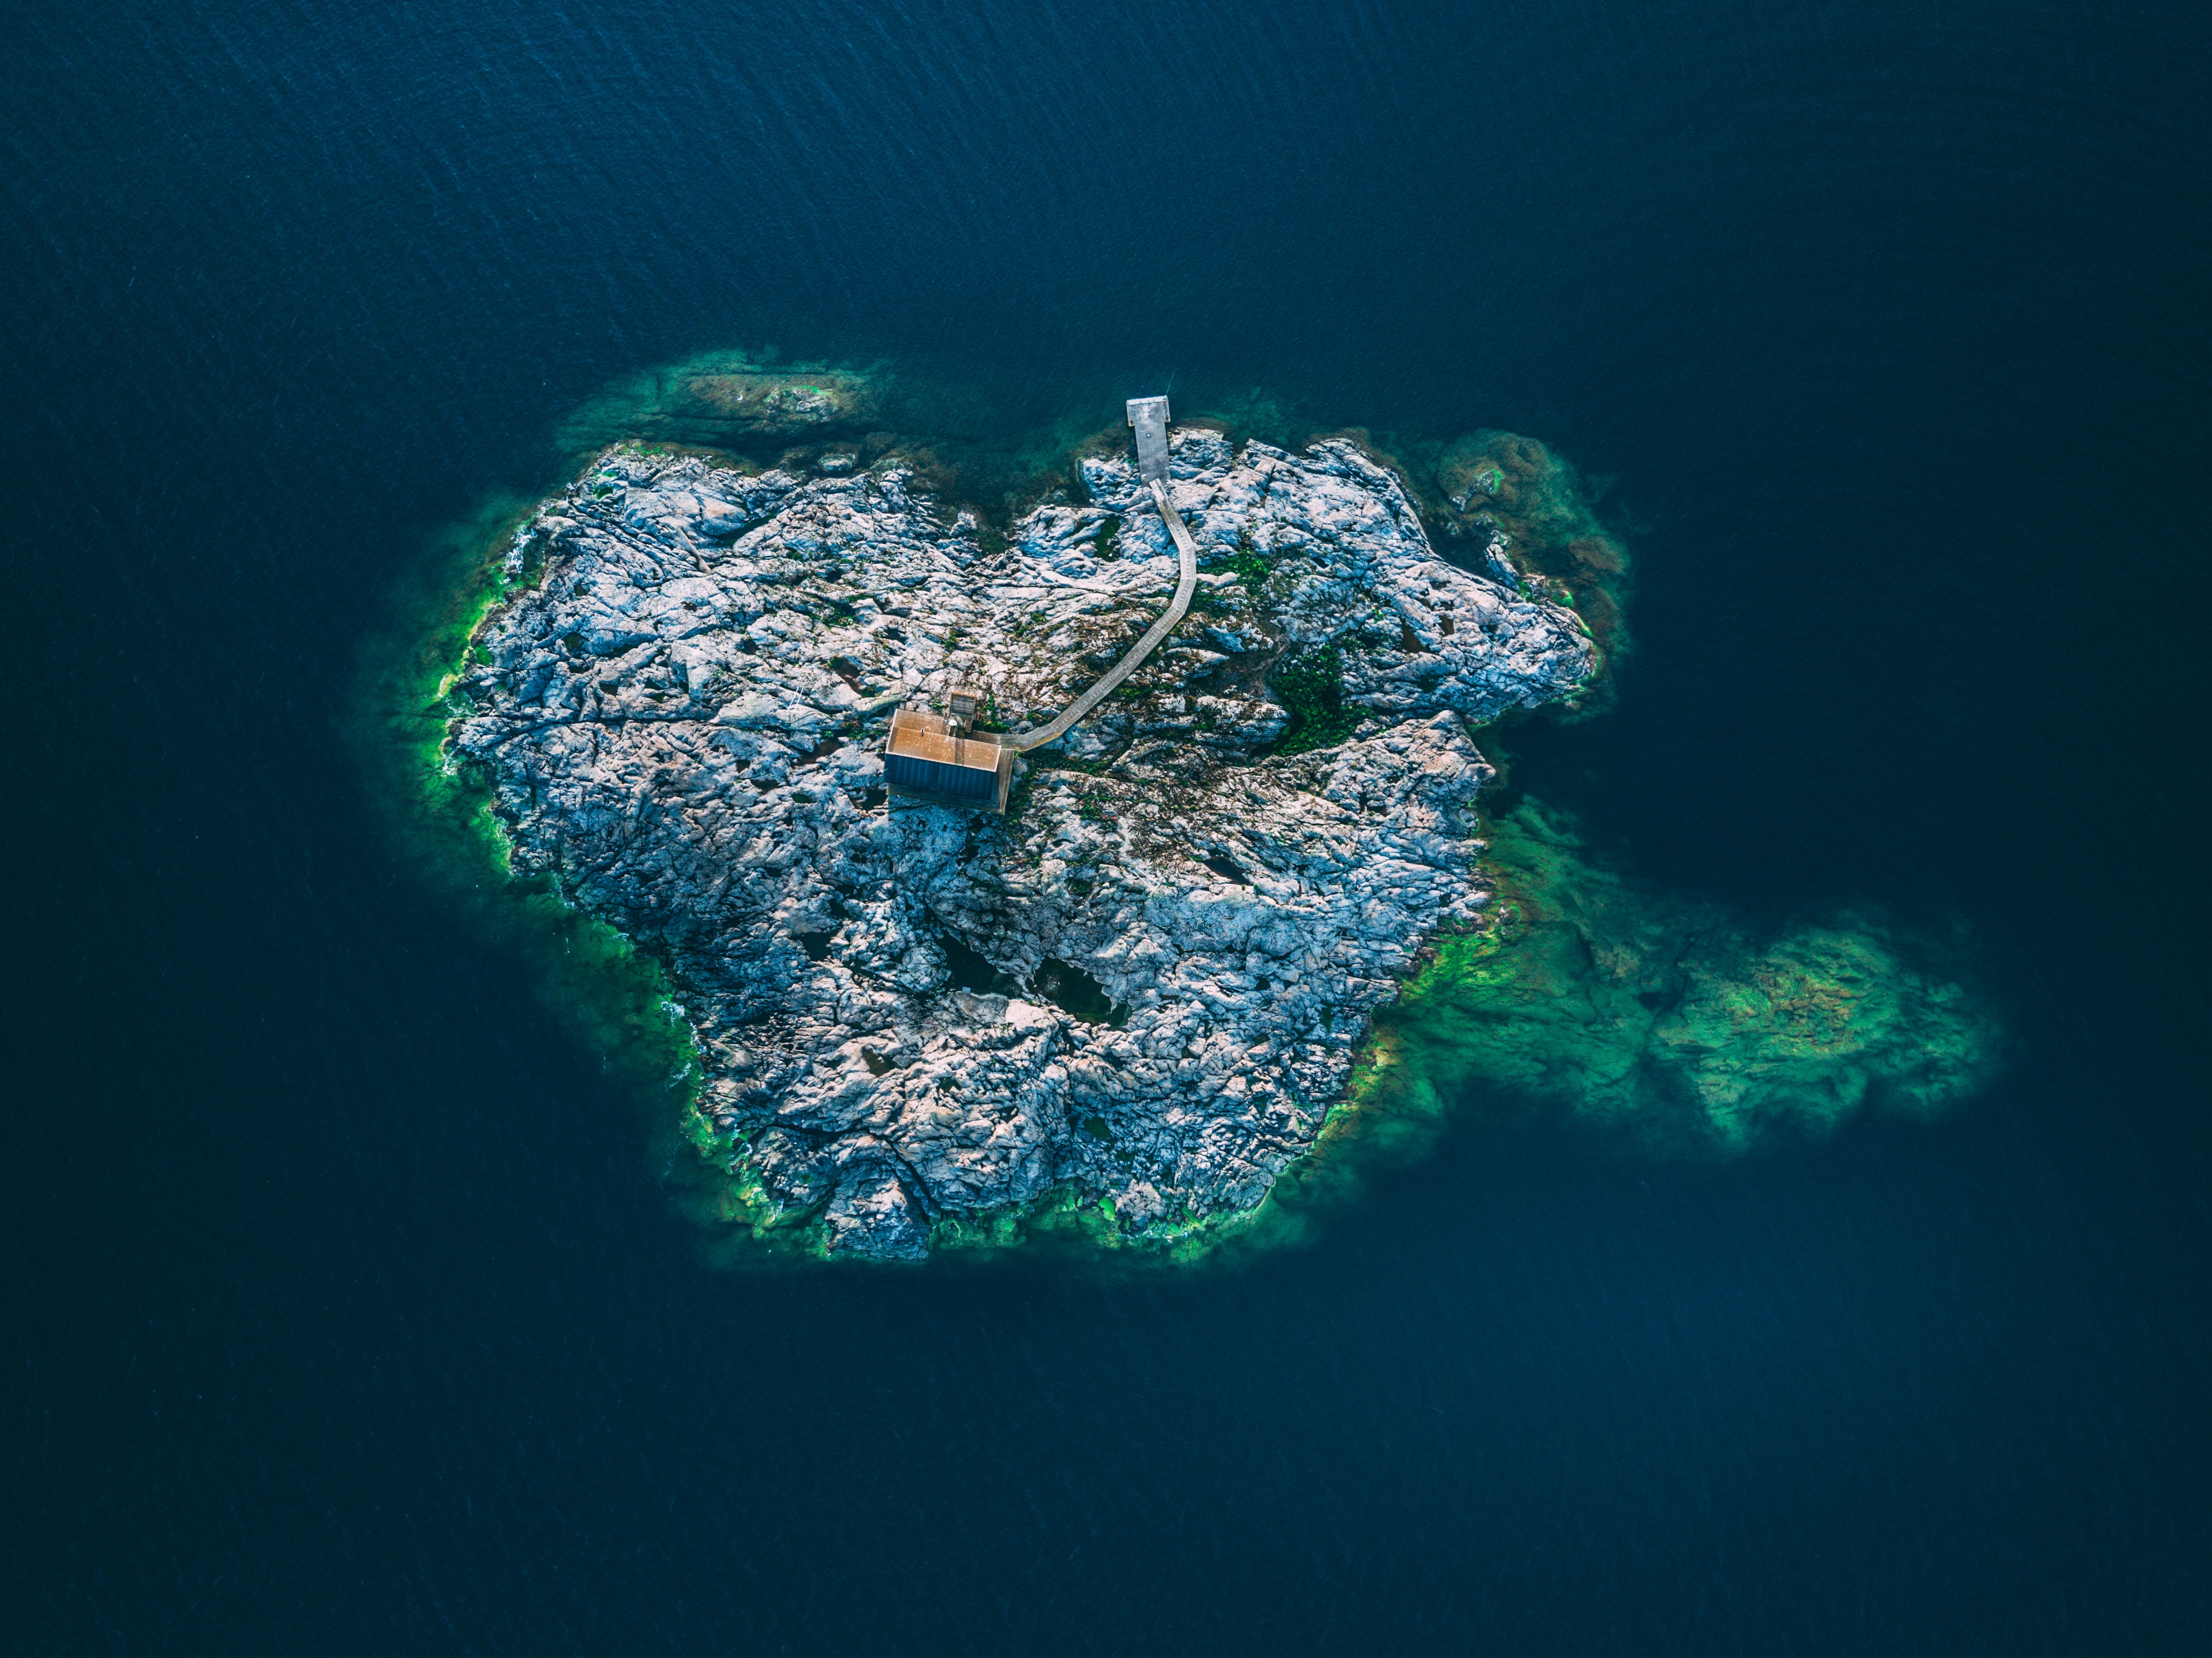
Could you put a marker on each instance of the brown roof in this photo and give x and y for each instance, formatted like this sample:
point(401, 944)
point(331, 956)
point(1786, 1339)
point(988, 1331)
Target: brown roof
point(922, 736)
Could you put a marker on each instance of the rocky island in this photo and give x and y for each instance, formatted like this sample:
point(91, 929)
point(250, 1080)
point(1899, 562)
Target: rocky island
point(1242, 928)
point(1146, 981)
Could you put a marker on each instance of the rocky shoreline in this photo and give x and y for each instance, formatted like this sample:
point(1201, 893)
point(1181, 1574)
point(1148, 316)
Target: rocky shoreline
point(1139, 992)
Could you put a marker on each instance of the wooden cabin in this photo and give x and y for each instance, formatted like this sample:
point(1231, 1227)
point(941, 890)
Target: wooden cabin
point(930, 757)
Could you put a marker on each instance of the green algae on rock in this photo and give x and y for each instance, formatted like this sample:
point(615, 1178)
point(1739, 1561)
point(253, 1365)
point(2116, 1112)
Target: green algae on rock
point(1665, 1019)
point(438, 816)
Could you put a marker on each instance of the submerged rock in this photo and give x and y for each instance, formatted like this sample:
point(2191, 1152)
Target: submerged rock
point(1672, 1020)
point(1145, 985)
point(723, 398)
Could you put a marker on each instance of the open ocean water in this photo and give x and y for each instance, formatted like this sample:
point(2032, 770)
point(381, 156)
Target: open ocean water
point(346, 1308)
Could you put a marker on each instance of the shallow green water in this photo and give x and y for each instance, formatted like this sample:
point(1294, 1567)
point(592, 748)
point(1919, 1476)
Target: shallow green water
point(1670, 1020)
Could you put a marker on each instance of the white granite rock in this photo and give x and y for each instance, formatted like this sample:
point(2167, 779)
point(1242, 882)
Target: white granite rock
point(680, 714)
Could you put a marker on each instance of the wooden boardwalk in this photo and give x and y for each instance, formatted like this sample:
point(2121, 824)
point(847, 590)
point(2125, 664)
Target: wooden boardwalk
point(1187, 551)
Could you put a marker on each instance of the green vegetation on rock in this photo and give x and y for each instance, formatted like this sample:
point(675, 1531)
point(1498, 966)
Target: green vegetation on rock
point(1252, 568)
point(1312, 687)
point(439, 816)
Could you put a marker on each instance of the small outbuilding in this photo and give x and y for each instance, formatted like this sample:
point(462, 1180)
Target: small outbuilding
point(930, 757)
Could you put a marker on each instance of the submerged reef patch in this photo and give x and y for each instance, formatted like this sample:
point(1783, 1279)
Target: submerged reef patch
point(1665, 1019)
point(727, 399)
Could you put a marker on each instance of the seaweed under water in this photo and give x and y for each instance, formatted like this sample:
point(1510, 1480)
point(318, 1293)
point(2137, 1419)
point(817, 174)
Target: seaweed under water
point(1662, 1021)
point(1672, 1020)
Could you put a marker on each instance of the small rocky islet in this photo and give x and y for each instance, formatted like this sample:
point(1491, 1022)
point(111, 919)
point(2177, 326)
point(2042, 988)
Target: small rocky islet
point(1142, 994)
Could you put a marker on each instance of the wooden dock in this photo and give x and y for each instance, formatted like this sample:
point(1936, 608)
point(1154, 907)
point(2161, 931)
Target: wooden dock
point(1150, 417)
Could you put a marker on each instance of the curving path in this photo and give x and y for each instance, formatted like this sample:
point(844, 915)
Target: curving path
point(1038, 737)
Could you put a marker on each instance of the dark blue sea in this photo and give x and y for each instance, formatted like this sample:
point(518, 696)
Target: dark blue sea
point(347, 1305)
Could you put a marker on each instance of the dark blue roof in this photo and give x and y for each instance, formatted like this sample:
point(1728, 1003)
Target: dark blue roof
point(934, 777)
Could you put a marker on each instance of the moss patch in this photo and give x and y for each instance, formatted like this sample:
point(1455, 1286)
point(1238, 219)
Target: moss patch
point(1312, 687)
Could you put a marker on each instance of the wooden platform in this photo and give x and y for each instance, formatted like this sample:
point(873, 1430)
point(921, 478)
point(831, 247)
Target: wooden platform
point(1150, 417)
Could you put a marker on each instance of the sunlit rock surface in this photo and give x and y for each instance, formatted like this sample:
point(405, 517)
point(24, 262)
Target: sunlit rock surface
point(1147, 982)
